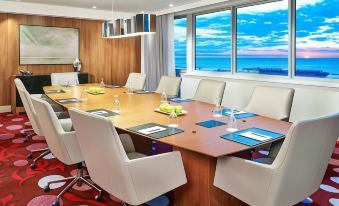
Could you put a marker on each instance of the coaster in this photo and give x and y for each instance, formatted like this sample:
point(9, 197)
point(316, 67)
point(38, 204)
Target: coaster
point(68, 101)
point(55, 91)
point(162, 133)
point(211, 124)
point(242, 139)
point(103, 112)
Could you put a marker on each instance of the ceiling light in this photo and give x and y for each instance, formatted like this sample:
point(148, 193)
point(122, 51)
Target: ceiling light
point(94, 7)
point(171, 5)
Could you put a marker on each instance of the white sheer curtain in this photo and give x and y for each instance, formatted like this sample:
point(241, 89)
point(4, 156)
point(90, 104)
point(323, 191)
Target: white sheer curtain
point(158, 52)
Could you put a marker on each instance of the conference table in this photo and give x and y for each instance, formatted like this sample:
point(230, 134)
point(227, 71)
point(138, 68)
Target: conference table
point(199, 146)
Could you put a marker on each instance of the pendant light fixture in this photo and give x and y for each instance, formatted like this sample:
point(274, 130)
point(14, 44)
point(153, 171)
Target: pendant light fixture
point(140, 24)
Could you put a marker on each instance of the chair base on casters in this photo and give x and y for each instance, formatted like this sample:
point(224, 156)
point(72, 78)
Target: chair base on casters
point(45, 151)
point(28, 134)
point(79, 178)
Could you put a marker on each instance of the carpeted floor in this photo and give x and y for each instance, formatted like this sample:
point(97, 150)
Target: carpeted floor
point(20, 185)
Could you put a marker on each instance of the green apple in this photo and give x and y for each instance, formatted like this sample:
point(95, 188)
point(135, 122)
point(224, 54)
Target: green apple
point(163, 107)
point(178, 109)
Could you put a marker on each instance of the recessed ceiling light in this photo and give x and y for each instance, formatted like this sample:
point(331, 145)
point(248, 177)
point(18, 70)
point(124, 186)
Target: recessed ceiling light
point(94, 7)
point(171, 5)
point(143, 12)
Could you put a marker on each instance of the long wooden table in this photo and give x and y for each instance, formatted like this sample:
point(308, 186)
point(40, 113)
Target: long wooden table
point(198, 145)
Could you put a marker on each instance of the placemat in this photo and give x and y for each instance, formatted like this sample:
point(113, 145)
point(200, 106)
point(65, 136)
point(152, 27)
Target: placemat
point(55, 91)
point(236, 137)
point(103, 112)
point(238, 116)
point(179, 100)
point(168, 132)
point(68, 101)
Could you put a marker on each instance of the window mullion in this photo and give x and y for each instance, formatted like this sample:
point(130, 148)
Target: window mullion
point(234, 40)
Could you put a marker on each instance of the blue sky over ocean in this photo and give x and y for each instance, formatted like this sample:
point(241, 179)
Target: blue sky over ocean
point(263, 33)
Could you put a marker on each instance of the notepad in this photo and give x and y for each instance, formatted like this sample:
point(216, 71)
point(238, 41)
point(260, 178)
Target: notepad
point(179, 100)
point(152, 130)
point(256, 136)
point(70, 100)
point(56, 91)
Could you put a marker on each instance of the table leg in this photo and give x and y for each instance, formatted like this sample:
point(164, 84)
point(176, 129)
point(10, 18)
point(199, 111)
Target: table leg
point(199, 190)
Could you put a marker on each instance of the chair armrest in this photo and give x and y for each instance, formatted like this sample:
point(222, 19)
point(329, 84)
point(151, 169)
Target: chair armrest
point(156, 175)
point(247, 180)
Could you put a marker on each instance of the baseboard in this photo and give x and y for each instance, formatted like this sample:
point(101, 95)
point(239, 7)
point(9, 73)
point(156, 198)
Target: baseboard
point(6, 108)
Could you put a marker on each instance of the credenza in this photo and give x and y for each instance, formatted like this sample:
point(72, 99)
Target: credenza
point(34, 85)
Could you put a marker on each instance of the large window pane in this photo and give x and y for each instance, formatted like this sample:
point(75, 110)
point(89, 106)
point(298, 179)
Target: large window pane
point(317, 38)
point(213, 42)
point(262, 39)
point(180, 46)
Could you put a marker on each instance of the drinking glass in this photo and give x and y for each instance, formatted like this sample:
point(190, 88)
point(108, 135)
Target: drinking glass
point(232, 122)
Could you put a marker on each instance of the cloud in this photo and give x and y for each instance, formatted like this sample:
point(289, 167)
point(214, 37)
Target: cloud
point(276, 6)
point(211, 33)
point(268, 22)
point(332, 20)
point(180, 33)
point(212, 43)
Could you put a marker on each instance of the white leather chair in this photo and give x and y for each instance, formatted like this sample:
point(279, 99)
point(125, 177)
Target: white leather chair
point(272, 102)
point(134, 181)
point(296, 173)
point(169, 85)
point(63, 144)
point(63, 79)
point(136, 81)
point(36, 128)
point(209, 91)
point(55, 106)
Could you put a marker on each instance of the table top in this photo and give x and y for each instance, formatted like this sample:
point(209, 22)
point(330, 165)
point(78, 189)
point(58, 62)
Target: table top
point(137, 109)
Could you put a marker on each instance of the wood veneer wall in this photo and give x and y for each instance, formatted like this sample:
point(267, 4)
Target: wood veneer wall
point(111, 59)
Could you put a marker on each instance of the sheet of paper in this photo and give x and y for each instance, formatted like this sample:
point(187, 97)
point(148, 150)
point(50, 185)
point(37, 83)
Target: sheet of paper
point(255, 136)
point(237, 112)
point(152, 130)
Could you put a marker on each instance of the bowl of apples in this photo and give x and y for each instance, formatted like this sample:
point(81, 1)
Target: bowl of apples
point(166, 108)
point(95, 90)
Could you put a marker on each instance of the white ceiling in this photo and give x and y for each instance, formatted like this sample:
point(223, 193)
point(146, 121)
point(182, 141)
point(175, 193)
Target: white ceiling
point(130, 6)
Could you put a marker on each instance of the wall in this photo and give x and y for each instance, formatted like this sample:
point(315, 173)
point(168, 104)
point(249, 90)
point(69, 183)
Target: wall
point(111, 59)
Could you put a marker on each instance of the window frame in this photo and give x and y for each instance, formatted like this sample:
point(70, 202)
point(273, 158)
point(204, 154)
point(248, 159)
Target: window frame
point(232, 6)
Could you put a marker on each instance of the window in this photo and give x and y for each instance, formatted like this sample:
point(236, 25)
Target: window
point(317, 43)
point(262, 39)
point(180, 46)
point(213, 41)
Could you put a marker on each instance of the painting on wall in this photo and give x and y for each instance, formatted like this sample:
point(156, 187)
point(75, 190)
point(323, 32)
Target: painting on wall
point(48, 45)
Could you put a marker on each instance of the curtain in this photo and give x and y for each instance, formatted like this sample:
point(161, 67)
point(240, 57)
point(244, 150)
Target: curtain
point(158, 52)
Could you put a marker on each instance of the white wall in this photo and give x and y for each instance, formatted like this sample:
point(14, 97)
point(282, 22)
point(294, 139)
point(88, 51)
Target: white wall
point(308, 102)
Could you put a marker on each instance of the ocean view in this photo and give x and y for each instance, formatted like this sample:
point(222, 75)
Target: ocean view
point(308, 67)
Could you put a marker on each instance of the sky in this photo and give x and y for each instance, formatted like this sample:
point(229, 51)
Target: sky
point(263, 31)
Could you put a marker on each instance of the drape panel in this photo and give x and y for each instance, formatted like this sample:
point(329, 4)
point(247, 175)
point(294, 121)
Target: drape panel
point(158, 52)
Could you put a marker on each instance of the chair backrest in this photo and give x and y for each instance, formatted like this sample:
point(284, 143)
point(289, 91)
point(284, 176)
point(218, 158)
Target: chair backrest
point(169, 85)
point(209, 91)
point(59, 142)
point(26, 101)
point(303, 158)
point(272, 102)
point(67, 78)
point(99, 140)
point(136, 81)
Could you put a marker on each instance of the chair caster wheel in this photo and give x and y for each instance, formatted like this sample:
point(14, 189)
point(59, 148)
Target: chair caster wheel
point(33, 166)
point(47, 189)
point(30, 156)
point(56, 203)
point(98, 198)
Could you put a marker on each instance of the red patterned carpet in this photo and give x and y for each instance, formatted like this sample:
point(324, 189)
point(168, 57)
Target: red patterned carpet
point(20, 185)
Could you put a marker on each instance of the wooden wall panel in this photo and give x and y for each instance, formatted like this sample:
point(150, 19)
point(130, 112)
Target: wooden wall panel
point(111, 59)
